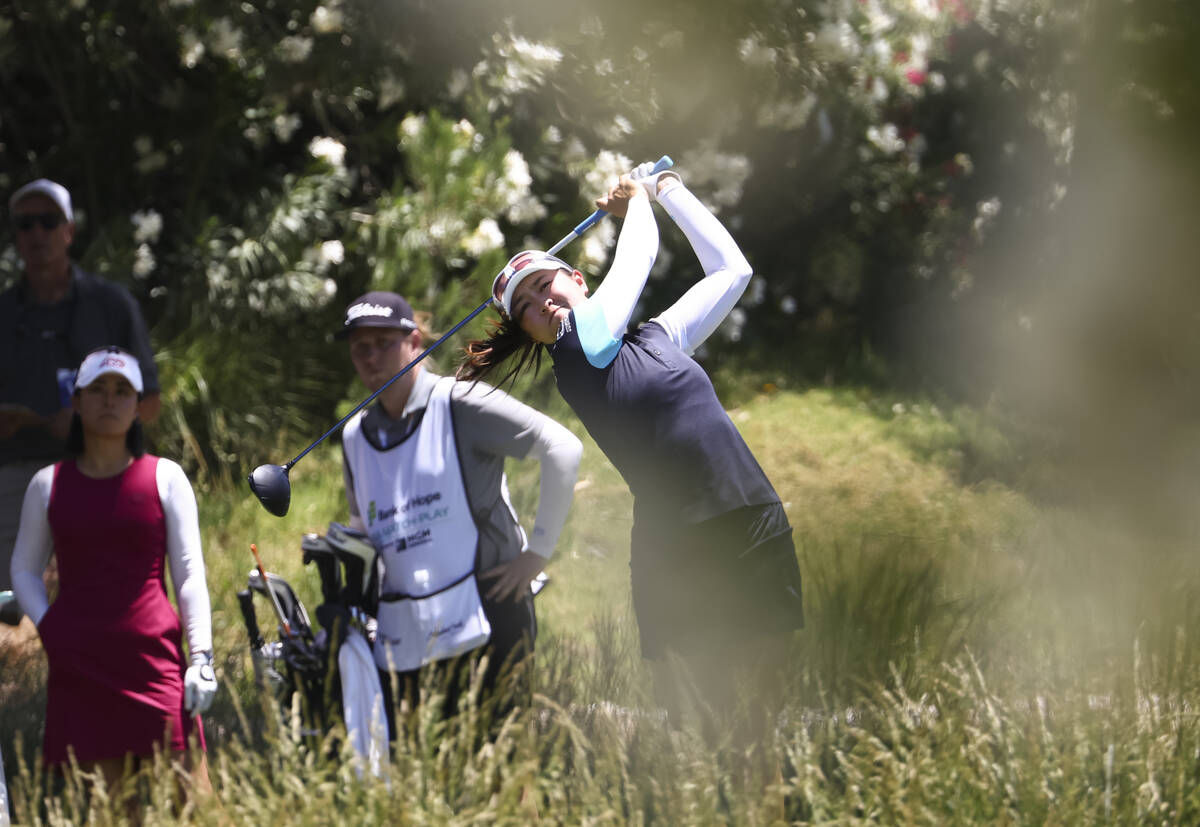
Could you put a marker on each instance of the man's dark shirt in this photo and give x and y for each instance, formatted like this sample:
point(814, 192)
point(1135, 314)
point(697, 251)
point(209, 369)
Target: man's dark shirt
point(36, 341)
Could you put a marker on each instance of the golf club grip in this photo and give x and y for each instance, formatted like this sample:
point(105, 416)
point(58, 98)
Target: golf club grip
point(246, 602)
point(664, 163)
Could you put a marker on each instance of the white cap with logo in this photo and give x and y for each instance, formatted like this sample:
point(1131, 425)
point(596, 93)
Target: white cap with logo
point(109, 360)
point(44, 186)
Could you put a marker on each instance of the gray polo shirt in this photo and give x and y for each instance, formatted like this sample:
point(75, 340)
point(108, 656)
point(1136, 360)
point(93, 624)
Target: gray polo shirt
point(489, 425)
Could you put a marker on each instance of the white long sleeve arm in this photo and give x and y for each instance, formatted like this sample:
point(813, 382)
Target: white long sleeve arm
point(622, 286)
point(559, 452)
point(184, 554)
point(699, 311)
point(33, 548)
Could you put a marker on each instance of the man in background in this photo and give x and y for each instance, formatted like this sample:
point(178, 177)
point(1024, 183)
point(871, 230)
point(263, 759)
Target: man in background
point(50, 319)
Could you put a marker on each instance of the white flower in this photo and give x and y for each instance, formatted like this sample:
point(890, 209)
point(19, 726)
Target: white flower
point(733, 324)
point(411, 127)
point(329, 288)
point(788, 305)
point(836, 42)
point(754, 52)
point(445, 228)
point(487, 236)
point(150, 163)
point(147, 225)
point(878, 20)
point(143, 261)
point(539, 54)
point(328, 149)
point(887, 139)
point(596, 243)
point(525, 210)
point(458, 84)
point(881, 50)
point(285, 125)
point(225, 39)
point(514, 189)
point(294, 49)
point(325, 20)
point(391, 89)
point(929, 9)
point(519, 65)
point(606, 170)
point(333, 252)
point(191, 48)
point(724, 172)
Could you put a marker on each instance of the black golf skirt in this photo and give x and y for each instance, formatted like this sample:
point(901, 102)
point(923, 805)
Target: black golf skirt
point(727, 579)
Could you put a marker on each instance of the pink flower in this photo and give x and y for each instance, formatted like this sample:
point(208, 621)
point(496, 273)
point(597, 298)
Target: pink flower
point(915, 76)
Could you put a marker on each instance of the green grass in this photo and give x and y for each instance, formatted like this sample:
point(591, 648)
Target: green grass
point(970, 657)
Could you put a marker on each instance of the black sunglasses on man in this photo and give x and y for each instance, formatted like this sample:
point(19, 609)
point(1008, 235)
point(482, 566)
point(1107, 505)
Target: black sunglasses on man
point(25, 221)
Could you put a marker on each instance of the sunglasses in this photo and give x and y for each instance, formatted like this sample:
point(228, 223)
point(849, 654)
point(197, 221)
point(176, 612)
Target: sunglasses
point(24, 222)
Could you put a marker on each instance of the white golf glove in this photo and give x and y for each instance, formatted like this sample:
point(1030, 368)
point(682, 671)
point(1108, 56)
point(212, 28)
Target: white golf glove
point(199, 683)
point(644, 174)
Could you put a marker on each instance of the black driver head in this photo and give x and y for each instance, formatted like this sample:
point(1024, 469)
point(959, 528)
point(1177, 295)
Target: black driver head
point(271, 485)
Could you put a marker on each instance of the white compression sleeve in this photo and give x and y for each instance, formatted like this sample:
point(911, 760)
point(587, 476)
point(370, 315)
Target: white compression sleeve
point(31, 553)
point(559, 451)
point(699, 311)
point(184, 554)
point(637, 246)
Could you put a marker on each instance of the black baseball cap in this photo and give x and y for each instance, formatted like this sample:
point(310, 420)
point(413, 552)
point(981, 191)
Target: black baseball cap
point(378, 308)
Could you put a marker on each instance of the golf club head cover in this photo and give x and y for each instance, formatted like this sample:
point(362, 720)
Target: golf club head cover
point(199, 683)
point(645, 175)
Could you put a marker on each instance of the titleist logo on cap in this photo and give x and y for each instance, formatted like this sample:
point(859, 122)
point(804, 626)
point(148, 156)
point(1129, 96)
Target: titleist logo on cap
point(367, 309)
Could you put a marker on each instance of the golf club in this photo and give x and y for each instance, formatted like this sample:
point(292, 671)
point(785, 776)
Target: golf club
point(270, 483)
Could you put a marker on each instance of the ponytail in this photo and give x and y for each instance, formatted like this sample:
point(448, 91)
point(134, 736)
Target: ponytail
point(485, 356)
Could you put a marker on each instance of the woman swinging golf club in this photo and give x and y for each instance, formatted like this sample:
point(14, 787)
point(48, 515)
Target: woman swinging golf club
point(113, 514)
point(713, 565)
point(424, 469)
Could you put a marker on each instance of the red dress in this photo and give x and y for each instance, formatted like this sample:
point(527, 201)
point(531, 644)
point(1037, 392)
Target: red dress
point(112, 639)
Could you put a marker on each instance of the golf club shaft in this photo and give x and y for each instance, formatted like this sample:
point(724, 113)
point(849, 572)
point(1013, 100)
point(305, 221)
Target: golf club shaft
point(388, 383)
point(663, 163)
point(262, 573)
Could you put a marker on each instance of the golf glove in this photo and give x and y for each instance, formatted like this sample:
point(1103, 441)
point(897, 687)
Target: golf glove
point(199, 684)
point(644, 174)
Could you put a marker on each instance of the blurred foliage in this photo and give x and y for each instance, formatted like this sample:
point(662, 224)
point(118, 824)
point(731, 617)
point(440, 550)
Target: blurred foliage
point(248, 169)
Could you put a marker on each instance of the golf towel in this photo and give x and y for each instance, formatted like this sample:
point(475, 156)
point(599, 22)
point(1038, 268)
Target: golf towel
point(362, 703)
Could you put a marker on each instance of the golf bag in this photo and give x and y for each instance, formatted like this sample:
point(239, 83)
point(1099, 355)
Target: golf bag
point(310, 663)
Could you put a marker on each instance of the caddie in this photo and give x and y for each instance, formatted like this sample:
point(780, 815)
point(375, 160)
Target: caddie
point(424, 477)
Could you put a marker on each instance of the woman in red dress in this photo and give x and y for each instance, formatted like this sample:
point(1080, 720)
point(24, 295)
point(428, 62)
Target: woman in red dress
point(116, 517)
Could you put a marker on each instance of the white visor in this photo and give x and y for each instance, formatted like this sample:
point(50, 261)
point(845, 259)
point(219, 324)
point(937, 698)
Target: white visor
point(523, 264)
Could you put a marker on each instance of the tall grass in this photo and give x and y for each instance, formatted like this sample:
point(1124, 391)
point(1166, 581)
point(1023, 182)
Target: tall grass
point(969, 657)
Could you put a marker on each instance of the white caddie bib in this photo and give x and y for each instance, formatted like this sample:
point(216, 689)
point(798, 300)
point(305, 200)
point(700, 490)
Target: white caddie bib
point(414, 506)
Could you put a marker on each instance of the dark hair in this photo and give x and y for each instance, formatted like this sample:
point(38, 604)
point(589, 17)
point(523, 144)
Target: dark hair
point(135, 437)
point(505, 339)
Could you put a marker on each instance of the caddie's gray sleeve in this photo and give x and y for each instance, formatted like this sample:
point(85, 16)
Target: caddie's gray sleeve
point(489, 421)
